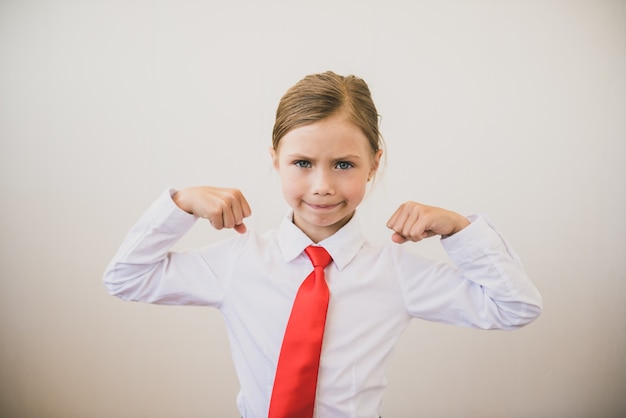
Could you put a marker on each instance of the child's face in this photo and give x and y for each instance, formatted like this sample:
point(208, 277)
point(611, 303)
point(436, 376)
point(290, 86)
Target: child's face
point(324, 168)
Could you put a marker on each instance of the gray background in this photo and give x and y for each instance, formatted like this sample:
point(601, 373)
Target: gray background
point(516, 109)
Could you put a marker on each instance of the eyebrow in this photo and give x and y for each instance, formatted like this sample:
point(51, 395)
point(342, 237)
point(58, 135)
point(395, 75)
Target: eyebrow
point(350, 157)
point(345, 157)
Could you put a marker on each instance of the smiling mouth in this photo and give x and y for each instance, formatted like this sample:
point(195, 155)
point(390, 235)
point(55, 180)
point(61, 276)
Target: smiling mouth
point(323, 207)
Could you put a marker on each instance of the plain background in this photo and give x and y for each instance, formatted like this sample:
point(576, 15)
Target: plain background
point(516, 109)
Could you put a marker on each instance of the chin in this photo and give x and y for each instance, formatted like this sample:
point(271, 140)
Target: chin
point(338, 221)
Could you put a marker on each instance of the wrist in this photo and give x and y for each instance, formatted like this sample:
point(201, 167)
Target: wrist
point(181, 200)
point(461, 223)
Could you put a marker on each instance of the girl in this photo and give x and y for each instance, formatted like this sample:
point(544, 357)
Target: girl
point(326, 148)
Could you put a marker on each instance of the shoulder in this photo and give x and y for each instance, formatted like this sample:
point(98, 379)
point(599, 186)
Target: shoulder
point(393, 254)
point(249, 238)
point(407, 261)
point(236, 245)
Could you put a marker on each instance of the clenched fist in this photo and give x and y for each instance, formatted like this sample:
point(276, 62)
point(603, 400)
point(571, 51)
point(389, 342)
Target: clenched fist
point(413, 222)
point(224, 208)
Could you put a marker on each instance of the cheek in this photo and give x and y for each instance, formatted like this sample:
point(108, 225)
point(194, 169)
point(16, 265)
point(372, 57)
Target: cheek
point(356, 188)
point(291, 185)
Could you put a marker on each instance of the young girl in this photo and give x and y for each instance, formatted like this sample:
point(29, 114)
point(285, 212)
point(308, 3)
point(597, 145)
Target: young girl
point(326, 148)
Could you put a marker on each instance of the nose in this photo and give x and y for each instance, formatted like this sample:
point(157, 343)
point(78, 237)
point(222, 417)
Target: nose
point(322, 183)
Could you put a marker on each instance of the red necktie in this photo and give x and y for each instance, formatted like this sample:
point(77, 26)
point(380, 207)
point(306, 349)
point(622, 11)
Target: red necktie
point(293, 395)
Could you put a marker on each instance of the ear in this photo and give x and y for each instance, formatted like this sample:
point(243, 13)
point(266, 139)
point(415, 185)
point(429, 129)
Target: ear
point(274, 156)
point(376, 164)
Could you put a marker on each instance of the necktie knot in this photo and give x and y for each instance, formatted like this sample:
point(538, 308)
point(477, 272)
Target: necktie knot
point(318, 255)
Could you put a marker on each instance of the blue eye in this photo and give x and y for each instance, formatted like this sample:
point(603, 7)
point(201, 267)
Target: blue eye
point(344, 165)
point(302, 164)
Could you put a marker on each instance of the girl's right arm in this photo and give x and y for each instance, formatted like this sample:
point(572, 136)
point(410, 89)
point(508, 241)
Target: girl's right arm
point(224, 208)
point(144, 267)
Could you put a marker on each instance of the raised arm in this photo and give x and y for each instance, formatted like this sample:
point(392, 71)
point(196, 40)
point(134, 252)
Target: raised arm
point(484, 287)
point(144, 267)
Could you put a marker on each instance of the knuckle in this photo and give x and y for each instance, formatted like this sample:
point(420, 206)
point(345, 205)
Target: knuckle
point(215, 224)
point(222, 206)
point(234, 193)
point(216, 210)
point(227, 199)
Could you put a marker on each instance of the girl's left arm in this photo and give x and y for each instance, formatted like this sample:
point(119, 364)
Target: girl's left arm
point(484, 287)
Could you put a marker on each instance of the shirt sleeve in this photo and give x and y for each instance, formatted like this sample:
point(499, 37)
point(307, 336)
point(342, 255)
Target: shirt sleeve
point(484, 287)
point(145, 269)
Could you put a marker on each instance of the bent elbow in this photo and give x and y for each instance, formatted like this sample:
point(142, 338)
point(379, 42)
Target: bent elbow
point(527, 313)
point(113, 284)
point(529, 308)
point(534, 310)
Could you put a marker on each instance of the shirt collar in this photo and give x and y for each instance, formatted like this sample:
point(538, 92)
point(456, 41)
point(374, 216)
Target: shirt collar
point(342, 246)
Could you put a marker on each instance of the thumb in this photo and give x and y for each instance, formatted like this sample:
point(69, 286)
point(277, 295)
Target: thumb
point(398, 239)
point(241, 228)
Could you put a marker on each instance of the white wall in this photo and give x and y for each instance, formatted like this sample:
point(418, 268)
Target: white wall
point(516, 109)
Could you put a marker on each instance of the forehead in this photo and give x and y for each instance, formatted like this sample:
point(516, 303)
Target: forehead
point(332, 135)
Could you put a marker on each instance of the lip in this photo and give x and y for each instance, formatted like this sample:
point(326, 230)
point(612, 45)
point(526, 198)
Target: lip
point(322, 206)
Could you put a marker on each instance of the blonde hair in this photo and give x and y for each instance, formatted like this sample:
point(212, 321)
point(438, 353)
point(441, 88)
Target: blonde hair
point(318, 96)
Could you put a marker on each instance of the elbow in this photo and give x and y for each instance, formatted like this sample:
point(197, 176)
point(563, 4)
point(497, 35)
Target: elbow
point(531, 313)
point(130, 285)
point(528, 312)
point(534, 309)
point(112, 283)
point(113, 290)
point(528, 309)
point(510, 316)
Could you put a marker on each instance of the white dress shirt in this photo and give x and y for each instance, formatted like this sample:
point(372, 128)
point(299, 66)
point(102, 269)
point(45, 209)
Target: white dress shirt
point(375, 290)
